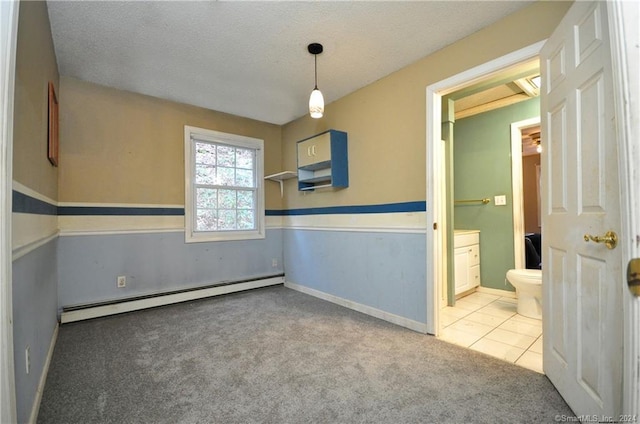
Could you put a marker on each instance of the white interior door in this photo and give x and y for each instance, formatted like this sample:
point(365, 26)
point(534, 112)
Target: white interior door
point(582, 281)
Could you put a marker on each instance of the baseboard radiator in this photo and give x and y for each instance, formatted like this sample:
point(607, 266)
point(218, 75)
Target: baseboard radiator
point(95, 310)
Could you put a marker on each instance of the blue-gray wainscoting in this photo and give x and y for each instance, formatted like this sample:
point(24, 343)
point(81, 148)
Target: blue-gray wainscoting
point(34, 319)
point(157, 262)
point(383, 270)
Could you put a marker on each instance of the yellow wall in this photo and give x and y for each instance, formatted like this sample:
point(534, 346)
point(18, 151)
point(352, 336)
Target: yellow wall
point(386, 121)
point(34, 276)
point(121, 147)
point(35, 66)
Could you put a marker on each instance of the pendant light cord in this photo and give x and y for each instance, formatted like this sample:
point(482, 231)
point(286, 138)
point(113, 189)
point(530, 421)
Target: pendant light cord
point(315, 70)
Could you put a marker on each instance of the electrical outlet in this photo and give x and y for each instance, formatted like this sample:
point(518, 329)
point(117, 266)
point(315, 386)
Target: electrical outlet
point(122, 281)
point(274, 263)
point(27, 359)
point(500, 200)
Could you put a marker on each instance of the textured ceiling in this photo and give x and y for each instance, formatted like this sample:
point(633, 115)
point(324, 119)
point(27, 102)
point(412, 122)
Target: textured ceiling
point(250, 58)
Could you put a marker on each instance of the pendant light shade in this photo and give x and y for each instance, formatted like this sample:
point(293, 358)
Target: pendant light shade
point(316, 100)
point(316, 104)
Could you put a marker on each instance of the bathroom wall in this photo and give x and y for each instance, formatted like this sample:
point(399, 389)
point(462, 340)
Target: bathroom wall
point(482, 168)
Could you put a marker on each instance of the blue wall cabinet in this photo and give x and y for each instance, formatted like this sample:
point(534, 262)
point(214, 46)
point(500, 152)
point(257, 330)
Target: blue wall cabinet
point(323, 161)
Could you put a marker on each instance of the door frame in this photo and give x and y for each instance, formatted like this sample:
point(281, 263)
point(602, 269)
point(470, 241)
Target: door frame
point(8, 38)
point(517, 188)
point(436, 240)
point(623, 18)
point(623, 27)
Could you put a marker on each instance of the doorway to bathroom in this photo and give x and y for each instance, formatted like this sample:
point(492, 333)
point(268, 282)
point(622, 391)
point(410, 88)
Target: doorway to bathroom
point(485, 204)
point(440, 195)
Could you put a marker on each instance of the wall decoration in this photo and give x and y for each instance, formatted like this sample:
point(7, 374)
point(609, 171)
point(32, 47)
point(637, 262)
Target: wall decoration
point(52, 146)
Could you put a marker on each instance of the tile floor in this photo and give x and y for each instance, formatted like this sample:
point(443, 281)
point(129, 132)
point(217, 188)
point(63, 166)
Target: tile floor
point(490, 324)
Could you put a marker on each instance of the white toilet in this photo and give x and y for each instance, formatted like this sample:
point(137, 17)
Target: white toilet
point(528, 284)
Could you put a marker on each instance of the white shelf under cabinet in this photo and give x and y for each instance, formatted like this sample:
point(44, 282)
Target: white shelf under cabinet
point(315, 187)
point(280, 177)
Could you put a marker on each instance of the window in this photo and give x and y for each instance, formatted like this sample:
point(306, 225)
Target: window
point(223, 185)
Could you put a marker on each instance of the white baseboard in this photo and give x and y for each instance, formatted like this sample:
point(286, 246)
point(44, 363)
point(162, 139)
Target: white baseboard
point(35, 408)
point(135, 305)
point(377, 313)
point(497, 292)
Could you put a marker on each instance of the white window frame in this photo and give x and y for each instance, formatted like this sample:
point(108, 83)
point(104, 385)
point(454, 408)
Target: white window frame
point(193, 134)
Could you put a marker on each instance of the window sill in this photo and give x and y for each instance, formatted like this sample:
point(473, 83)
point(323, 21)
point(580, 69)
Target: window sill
point(204, 237)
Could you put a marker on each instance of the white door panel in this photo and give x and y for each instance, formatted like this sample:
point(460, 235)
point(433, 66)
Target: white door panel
point(582, 282)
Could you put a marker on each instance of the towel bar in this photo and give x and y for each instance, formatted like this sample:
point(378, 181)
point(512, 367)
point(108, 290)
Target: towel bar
point(484, 201)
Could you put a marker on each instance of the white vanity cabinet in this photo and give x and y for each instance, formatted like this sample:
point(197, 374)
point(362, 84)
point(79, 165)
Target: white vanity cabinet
point(466, 253)
point(323, 162)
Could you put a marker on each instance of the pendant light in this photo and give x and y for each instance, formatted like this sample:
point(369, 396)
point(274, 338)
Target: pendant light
point(316, 101)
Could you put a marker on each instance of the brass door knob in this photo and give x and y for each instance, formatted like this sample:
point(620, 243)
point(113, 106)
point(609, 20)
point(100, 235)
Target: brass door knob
point(610, 239)
point(633, 276)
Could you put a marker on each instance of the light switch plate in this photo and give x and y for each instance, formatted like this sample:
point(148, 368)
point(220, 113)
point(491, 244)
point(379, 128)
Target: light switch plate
point(500, 200)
